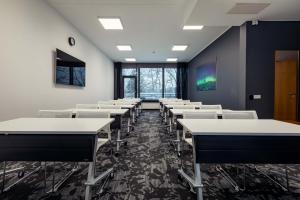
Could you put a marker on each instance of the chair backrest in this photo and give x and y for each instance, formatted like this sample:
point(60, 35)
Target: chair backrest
point(175, 103)
point(186, 101)
point(92, 114)
point(87, 106)
point(105, 103)
point(55, 114)
point(184, 107)
point(200, 115)
point(211, 107)
point(195, 103)
point(109, 107)
point(247, 114)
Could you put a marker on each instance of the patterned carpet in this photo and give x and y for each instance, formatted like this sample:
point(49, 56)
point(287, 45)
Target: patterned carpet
point(147, 169)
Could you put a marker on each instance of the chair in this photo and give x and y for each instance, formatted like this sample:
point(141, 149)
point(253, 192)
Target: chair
point(55, 114)
point(109, 107)
point(211, 107)
point(97, 114)
point(197, 115)
point(183, 107)
point(239, 115)
point(104, 103)
point(87, 106)
point(100, 141)
point(197, 104)
point(245, 115)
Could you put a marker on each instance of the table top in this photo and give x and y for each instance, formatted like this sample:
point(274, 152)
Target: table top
point(180, 111)
point(111, 111)
point(240, 127)
point(54, 125)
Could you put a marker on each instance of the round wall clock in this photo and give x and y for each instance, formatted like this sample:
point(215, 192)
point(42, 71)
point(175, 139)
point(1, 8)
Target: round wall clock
point(71, 41)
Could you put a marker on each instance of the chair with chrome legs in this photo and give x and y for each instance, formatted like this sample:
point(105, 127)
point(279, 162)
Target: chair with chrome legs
point(173, 122)
point(243, 115)
point(101, 140)
point(87, 106)
point(196, 114)
point(117, 124)
point(211, 107)
point(56, 185)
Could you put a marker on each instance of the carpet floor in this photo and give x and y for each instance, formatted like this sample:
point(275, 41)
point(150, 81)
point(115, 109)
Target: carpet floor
point(147, 169)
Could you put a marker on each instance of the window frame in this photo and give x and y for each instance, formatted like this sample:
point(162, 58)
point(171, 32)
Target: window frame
point(138, 79)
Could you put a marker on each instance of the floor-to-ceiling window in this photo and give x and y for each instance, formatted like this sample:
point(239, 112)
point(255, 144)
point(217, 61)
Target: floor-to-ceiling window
point(151, 81)
point(170, 82)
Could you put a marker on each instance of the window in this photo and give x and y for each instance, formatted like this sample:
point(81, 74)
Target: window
point(151, 83)
point(170, 82)
point(129, 72)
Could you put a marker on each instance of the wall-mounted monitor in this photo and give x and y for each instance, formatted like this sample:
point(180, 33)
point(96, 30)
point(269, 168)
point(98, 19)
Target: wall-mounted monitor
point(69, 70)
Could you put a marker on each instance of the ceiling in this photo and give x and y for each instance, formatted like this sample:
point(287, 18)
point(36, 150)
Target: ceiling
point(152, 27)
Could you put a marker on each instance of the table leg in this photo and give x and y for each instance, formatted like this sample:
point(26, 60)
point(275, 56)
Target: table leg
point(197, 172)
point(119, 140)
point(199, 191)
point(88, 189)
point(170, 124)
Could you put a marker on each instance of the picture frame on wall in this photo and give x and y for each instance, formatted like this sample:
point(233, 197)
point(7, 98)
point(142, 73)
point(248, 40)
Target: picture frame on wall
point(206, 77)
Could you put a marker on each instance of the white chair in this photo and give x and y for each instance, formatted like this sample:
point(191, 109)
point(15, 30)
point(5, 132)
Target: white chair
point(109, 107)
point(55, 114)
point(239, 114)
point(97, 114)
point(184, 107)
point(196, 115)
point(87, 106)
point(104, 103)
point(197, 104)
point(186, 101)
point(211, 107)
point(245, 115)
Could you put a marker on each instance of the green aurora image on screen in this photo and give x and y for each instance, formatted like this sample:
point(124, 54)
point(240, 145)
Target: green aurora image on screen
point(206, 78)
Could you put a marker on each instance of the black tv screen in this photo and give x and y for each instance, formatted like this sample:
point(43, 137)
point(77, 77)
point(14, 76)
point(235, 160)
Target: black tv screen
point(69, 70)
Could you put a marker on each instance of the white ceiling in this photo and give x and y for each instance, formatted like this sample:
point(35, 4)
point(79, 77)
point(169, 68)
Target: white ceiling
point(156, 25)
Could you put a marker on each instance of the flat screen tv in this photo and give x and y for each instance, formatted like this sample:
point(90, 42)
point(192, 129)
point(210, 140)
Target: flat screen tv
point(69, 70)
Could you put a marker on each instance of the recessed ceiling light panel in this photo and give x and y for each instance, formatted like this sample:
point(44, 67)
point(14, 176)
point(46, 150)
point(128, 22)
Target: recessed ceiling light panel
point(111, 23)
point(124, 48)
point(192, 27)
point(179, 47)
point(130, 59)
point(172, 59)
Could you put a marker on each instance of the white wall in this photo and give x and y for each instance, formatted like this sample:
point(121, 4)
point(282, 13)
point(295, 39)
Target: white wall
point(30, 32)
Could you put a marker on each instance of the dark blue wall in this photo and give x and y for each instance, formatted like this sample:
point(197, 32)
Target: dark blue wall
point(230, 60)
point(262, 42)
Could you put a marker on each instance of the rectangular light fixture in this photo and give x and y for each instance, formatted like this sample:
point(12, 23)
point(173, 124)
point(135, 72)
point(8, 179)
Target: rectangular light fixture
point(111, 23)
point(130, 59)
point(171, 59)
point(124, 48)
point(179, 47)
point(192, 27)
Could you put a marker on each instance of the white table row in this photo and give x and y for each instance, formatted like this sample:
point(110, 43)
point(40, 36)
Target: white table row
point(240, 141)
point(54, 139)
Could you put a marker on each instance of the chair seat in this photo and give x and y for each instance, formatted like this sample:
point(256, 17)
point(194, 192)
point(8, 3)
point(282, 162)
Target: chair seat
point(101, 142)
point(189, 141)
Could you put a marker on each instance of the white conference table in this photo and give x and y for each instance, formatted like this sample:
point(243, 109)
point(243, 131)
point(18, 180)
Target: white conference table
point(240, 141)
point(54, 139)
